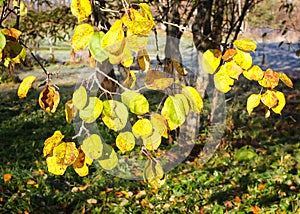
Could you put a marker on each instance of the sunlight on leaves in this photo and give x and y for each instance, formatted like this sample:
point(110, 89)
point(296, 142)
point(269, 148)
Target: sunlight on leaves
point(285, 79)
point(143, 60)
point(153, 141)
point(25, 86)
point(211, 60)
point(81, 9)
point(2, 40)
point(159, 124)
point(114, 114)
point(66, 153)
point(137, 103)
point(125, 141)
point(270, 79)
point(81, 36)
point(113, 40)
point(281, 102)
point(222, 80)
point(245, 44)
point(51, 142)
point(49, 99)
point(194, 98)
point(142, 128)
point(157, 80)
point(254, 73)
point(54, 166)
point(269, 99)
point(81, 162)
point(252, 102)
point(70, 111)
point(229, 54)
point(153, 174)
point(243, 59)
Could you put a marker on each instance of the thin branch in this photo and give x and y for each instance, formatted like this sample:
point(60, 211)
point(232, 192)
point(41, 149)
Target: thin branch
point(181, 28)
point(82, 128)
point(112, 79)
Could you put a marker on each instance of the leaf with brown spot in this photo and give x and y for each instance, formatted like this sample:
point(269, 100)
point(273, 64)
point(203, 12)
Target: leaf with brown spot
point(49, 99)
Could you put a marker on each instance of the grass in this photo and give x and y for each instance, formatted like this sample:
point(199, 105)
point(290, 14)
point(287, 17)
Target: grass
point(255, 170)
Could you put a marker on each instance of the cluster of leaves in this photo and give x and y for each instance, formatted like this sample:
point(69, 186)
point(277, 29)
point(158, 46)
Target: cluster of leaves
point(129, 35)
point(236, 61)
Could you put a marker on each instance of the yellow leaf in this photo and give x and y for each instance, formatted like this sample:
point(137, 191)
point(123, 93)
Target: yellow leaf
point(137, 103)
point(211, 60)
point(52, 142)
point(92, 111)
point(130, 80)
point(54, 166)
point(159, 124)
point(12, 32)
point(222, 80)
point(254, 73)
point(194, 98)
point(81, 36)
point(252, 102)
point(79, 98)
point(109, 158)
point(142, 128)
point(245, 44)
point(92, 146)
point(157, 80)
point(70, 111)
point(153, 141)
point(143, 60)
point(125, 57)
point(114, 115)
point(232, 69)
point(80, 164)
point(153, 174)
point(243, 59)
point(7, 177)
point(113, 40)
point(269, 98)
point(81, 9)
point(25, 86)
point(146, 10)
point(66, 153)
point(179, 67)
point(281, 102)
point(49, 99)
point(125, 141)
point(136, 42)
point(173, 111)
point(285, 79)
point(270, 79)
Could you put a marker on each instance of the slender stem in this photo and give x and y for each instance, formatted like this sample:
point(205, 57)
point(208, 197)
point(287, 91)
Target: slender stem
point(112, 79)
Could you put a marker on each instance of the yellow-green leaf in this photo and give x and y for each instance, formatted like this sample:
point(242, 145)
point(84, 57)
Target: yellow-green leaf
point(211, 60)
point(269, 98)
point(92, 111)
point(281, 102)
point(92, 146)
point(222, 80)
point(95, 47)
point(153, 174)
point(49, 99)
point(81, 36)
point(52, 142)
point(153, 141)
point(109, 158)
point(81, 9)
point(194, 98)
point(254, 73)
point(252, 102)
point(245, 44)
point(2, 40)
point(142, 128)
point(173, 111)
point(185, 102)
point(137, 103)
point(125, 141)
point(114, 115)
point(285, 79)
point(159, 124)
point(79, 98)
point(25, 86)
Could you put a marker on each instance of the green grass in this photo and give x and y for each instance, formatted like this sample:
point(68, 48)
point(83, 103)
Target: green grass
point(268, 181)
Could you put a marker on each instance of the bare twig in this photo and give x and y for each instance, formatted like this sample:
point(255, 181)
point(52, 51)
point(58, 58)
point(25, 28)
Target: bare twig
point(181, 28)
point(82, 128)
point(110, 78)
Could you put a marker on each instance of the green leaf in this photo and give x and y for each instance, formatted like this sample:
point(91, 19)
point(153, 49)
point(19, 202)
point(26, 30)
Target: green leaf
point(245, 153)
point(1, 3)
point(92, 111)
point(109, 158)
point(173, 111)
point(95, 46)
point(153, 141)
